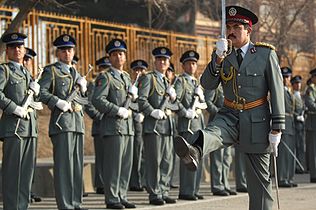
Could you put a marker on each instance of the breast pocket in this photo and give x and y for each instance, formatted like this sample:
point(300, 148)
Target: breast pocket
point(63, 85)
point(16, 86)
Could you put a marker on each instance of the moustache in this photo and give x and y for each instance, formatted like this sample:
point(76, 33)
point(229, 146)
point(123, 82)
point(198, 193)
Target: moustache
point(231, 36)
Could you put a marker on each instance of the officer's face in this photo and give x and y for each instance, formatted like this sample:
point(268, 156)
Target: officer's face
point(138, 71)
point(287, 81)
point(297, 86)
point(238, 33)
point(27, 62)
point(65, 55)
point(16, 53)
point(190, 67)
point(162, 64)
point(117, 59)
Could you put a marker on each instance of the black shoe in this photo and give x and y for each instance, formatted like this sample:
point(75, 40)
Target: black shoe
point(231, 192)
point(188, 197)
point(115, 206)
point(78, 208)
point(313, 180)
point(35, 198)
point(169, 200)
point(190, 155)
point(129, 205)
point(174, 186)
point(293, 184)
point(200, 197)
point(243, 190)
point(285, 185)
point(221, 193)
point(85, 194)
point(99, 190)
point(137, 189)
point(157, 202)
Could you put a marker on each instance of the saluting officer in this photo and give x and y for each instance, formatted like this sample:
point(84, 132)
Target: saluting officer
point(299, 121)
point(310, 102)
point(103, 64)
point(247, 75)
point(153, 90)
point(139, 68)
point(190, 120)
point(112, 90)
point(58, 81)
point(285, 160)
point(19, 139)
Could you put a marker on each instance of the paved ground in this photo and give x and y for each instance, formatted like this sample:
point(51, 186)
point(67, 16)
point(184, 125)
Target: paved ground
point(300, 198)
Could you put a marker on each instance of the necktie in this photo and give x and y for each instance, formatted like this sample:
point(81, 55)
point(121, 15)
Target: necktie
point(239, 57)
point(124, 80)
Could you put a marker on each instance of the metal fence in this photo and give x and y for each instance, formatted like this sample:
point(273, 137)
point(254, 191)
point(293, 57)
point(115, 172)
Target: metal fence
point(93, 35)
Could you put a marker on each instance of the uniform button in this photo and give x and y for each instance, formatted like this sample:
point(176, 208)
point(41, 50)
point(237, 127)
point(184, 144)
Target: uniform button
point(238, 74)
point(217, 71)
point(216, 75)
point(239, 86)
point(254, 74)
point(241, 110)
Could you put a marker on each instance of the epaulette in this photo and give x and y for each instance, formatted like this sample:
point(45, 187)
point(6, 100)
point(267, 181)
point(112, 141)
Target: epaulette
point(125, 72)
point(263, 44)
point(149, 72)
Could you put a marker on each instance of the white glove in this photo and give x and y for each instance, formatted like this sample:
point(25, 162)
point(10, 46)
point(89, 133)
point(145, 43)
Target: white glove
point(274, 140)
point(35, 87)
point(221, 48)
point(20, 111)
point(123, 113)
point(300, 118)
point(199, 92)
point(190, 114)
point(64, 105)
point(133, 90)
point(83, 84)
point(139, 117)
point(158, 114)
point(172, 93)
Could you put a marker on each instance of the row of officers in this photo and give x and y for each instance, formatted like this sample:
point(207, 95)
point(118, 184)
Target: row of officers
point(130, 119)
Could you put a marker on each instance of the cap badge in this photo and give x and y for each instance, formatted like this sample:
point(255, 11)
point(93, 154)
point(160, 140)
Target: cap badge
point(191, 54)
point(14, 36)
point(117, 43)
point(232, 11)
point(163, 51)
point(66, 38)
point(139, 63)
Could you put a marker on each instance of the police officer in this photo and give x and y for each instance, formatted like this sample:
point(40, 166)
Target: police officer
point(112, 90)
point(27, 63)
point(18, 125)
point(102, 65)
point(139, 68)
point(247, 75)
point(220, 160)
point(310, 102)
point(190, 120)
point(299, 108)
point(154, 89)
point(285, 160)
point(66, 127)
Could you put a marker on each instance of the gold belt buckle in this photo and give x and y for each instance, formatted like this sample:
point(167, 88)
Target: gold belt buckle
point(238, 106)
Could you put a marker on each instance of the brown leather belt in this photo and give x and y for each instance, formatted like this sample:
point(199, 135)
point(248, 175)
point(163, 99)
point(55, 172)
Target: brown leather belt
point(244, 106)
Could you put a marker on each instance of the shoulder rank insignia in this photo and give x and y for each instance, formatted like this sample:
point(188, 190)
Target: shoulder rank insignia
point(263, 44)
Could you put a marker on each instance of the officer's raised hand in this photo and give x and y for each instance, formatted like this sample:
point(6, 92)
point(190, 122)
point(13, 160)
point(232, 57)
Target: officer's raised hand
point(221, 48)
point(35, 87)
point(133, 91)
point(172, 93)
point(64, 105)
point(82, 82)
point(20, 111)
point(274, 139)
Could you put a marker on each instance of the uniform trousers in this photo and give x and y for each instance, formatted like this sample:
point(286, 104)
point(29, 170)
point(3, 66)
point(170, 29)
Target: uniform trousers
point(17, 171)
point(117, 167)
point(158, 164)
point(68, 169)
point(220, 162)
point(98, 152)
point(285, 161)
point(311, 136)
point(219, 134)
point(240, 169)
point(189, 180)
